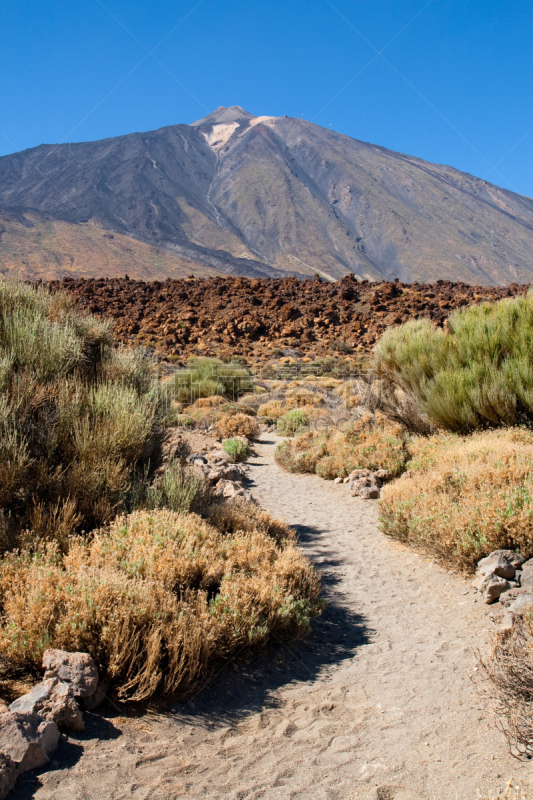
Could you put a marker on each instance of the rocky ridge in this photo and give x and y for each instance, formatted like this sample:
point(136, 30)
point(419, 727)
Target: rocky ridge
point(251, 317)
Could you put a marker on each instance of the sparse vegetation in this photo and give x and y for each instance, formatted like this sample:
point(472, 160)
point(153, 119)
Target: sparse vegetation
point(77, 417)
point(205, 377)
point(158, 595)
point(292, 422)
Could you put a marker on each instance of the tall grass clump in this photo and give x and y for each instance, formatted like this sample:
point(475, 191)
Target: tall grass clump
point(76, 415)
point(479, 374)
point(159, 599)
point(464, 496)
point(206, 377)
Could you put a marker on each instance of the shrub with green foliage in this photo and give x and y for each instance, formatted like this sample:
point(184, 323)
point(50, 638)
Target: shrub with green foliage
point(480, 374)
point(237, 449)
point(205, 377)
point(293, 422)
point(76, 416)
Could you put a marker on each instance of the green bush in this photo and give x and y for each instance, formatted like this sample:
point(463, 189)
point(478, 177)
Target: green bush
point(293, 422)
point(178, 489)
point(480, 374)
point(76, 416)
point(204, 377)
point(237, 449)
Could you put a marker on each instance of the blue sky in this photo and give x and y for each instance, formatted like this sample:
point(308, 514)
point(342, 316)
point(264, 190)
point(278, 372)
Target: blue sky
point(450, 81)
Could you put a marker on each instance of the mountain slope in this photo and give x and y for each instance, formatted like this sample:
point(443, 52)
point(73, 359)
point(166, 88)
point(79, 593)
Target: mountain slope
point(263, 196)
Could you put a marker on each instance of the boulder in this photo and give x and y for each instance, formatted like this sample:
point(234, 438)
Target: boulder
point(497, 565)
point(521, 605)
point(27, 739)
point(8, 775)
point(78, 670)
point(382, 475)
point(509, 597)
point(492, 587)
point(52, 700)
point(364, 487)
point(514, 558)
point(369, 492)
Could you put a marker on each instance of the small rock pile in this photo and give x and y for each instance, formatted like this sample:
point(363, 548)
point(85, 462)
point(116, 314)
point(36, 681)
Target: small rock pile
point(366, 484)
point(505, 576)
point(225, 477)
point(30, 727)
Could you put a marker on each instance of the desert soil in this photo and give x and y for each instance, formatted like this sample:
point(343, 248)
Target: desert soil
point(382, 700)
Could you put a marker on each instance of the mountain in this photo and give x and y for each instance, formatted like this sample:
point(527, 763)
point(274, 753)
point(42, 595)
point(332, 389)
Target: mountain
point(257, 196)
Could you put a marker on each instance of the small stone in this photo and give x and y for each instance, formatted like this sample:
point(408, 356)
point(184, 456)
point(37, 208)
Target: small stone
point(76, 669)
point(27, 739)
point(337, 480)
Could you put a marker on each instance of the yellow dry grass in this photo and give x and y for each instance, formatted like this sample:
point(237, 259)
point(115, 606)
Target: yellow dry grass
point(370, 442)
point(158, 598)
point(464, 496)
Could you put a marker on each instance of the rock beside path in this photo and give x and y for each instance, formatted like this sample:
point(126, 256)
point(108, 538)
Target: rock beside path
point(29, 728)
point(78, 670)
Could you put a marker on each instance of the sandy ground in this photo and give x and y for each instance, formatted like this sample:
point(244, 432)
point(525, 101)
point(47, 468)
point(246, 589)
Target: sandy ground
point(381, 701)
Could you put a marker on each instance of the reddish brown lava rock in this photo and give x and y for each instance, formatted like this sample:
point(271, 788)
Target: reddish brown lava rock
point(238, 316)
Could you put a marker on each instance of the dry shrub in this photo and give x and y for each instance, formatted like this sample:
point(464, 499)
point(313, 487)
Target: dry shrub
point(230, 518)
point(208, 402)
point(272, 410)
point(158, 599)
point(231, 425)
point(465, 496)
point(254, 398)
point(304, 396)
point(509, 669)
point(370, 442)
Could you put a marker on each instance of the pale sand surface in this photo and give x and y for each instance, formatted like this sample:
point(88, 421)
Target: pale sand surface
point(383, 693)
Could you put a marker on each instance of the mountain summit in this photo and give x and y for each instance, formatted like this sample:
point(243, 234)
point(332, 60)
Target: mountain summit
point(257, 196)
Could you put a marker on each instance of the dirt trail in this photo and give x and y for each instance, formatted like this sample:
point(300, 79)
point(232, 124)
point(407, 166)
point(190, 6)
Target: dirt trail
point(380, 695)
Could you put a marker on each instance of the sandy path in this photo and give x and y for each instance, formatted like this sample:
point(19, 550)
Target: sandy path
point(379, 695)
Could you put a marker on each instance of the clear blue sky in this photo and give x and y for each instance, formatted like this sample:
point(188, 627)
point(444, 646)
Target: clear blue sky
point(450, 81)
